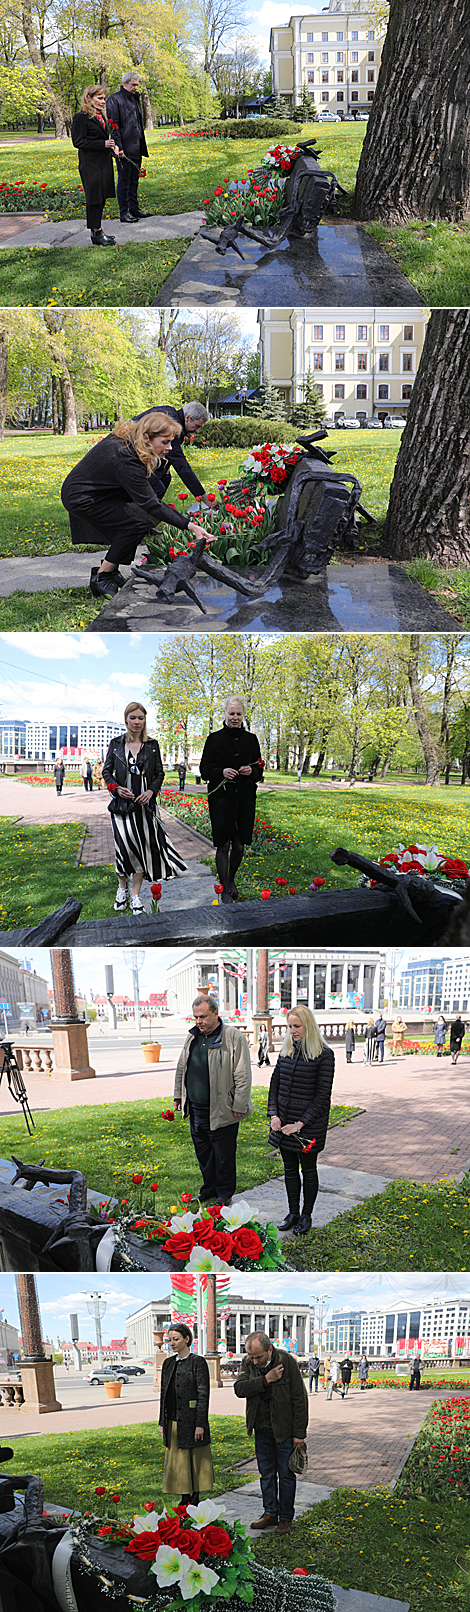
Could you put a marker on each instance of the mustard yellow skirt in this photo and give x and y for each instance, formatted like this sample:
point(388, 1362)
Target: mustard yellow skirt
point(186, 1471)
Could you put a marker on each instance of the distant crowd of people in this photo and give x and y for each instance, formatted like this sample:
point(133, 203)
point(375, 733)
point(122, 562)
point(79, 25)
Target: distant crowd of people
point(376, 1030)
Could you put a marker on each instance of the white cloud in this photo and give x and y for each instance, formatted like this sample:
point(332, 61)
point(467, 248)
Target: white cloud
point(83, 699)
point(57, 645)
point(129, 679)
point(75, 1303)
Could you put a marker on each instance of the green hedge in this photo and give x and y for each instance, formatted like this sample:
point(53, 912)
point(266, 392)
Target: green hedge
point(254, 128)
point(245, 433)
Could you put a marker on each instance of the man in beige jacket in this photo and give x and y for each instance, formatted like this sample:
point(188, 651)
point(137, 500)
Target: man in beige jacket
point(212, 1086)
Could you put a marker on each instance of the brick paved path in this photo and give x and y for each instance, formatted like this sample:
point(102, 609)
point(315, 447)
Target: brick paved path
point(417, 1122)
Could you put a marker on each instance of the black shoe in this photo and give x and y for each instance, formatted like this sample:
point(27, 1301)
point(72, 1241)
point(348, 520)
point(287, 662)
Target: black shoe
point(291, 1220)
point(99, 239)
point(117, 577)
point(303, 1225)
point(233, 891)
point(104, 585)
point(222, 1201)
point(226, 898)
point(141, 215)
point(129, 218)
point(206, 1193)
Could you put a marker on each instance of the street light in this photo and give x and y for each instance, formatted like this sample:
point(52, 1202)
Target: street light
point(135, 960)
point(96, 1307)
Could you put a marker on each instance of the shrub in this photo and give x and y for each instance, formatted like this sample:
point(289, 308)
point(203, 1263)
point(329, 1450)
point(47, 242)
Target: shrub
point(244, 433)
point(252, 128)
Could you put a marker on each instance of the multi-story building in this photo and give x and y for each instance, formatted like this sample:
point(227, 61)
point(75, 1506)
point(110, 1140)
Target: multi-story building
point(364, 361)
point(25, 740)
point(286, 1324)
point(440, 1327)
point(343, 1332)
point(323, 980)
point(333, 55)
point(22, 989)
point(436, 984)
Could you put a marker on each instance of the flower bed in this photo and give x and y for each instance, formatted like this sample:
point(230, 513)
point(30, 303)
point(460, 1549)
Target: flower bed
point(240, 530)
point(439, 1464)
point(203, 1239)
point(40, 196)
point(428, 863)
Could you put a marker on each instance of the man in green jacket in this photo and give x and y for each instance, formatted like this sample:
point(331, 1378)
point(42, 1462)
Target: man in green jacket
point(277, 1413)
point(213, 1085)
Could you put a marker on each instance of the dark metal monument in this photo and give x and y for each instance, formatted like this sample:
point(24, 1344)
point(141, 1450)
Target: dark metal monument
point(40, 1233)
point(309, 191)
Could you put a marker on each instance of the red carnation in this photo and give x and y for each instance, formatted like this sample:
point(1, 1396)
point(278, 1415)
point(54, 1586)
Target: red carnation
point(180, 1245)
point(247, 1244)
point(101, 1531)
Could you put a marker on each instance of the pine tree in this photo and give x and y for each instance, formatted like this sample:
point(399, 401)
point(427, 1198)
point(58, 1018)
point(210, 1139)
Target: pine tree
point(305, 111)
point(311, 411)
point(270, 406)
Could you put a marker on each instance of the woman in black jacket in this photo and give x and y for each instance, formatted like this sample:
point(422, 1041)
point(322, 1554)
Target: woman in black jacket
point(232, 767)
point(299, 1106)
point(92, 135)
point(184, 1419)
point(134, 775)
point(109, 491)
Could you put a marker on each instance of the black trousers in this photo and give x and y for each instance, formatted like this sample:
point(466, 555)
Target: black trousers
point(105, 514)
point(300, 1168)
point(94, 214)
point(127, 186)
point(215, 1151)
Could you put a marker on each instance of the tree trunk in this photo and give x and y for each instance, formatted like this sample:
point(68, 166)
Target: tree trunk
point(3, 382)
point(55, 410)
point(147, 109)
point(35, 57)
point(415, 160)
point(426, 740)
point(68, 403)
point(319, 763)
point(429, 510)
point(355, 755)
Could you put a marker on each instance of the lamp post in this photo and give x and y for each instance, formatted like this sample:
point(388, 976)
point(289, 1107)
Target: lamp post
point(135, 960)
point(37, 1372)
point(212, 1353)
point(97, 1307)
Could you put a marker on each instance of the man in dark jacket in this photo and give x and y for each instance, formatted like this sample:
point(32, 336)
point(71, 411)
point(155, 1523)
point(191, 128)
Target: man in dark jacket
point(192, 417)
point(124, 114)
point(381, 1027)
point(313, 1372)
point(277, 1413)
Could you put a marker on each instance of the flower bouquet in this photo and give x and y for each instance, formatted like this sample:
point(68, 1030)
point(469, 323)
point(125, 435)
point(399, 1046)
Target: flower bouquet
point(429, 863)
point(281, 158)
point(257, 200)
point(241, 530)
point(269, 465)
point(214, 1239)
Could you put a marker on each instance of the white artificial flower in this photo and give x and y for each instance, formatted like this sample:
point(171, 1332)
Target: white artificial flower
point(167, 1565)
point(196, 1579)
point(207, 1511)
point(201, 1259)
point(182, 1222)
point(149, 1523)
point(238, 1214)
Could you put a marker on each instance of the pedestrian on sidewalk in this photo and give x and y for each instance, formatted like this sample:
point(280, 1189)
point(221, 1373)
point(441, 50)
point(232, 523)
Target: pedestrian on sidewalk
point(363, 1369)
point(415, 1379)
point(299, 1106)
point(59, 775)
point(333, 1380)
point(184, 1419)
point(133, 773)
point(399, 1029)
point(263, 1046)
point(232, 768)
point(93, 138)
point(346, 1374)
point(380, 1031)
point(457, 1032)
point(326, 1371)
point(350, 1040)
point(98, 774)
point(87, 775)
point(369, 1043)
point(181, 770)
point(212, 1087)
point(440, 1034)
point(313, 1372)
point(277, 1414)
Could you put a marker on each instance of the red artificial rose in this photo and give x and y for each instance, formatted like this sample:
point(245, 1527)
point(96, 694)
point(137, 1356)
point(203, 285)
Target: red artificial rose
point(216, 1541)
point(170, 1531)
point(215, 1212)
point(247, 1244)
point(190, 1544)
point(181, 1245)
point(218, 1242)
point(454, 868)
point(181, 1510)
point(136, 1180)
point(102, 1531)
point(201, 1228)
point(144, 1546)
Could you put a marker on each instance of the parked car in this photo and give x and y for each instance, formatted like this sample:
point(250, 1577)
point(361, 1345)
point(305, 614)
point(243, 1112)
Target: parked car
point(328, 117)
point(398, 421)
point(374, 425)
point(134, 1371)
point(361, 117)
point(107, 1374)
point(352, 425)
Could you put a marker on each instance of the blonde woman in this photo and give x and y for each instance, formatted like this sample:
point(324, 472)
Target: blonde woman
point(92, 136)
point(133, 773)
point(109, 491)
point(298, 1107)
point(232, 767)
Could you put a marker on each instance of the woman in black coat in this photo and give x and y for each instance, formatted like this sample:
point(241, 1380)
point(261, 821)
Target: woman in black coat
point(232, 767)
point(92, 136)
point(350, 1040)
point(184, 1419)
point(299, 1106)
point(109, 491)
point(134, 775)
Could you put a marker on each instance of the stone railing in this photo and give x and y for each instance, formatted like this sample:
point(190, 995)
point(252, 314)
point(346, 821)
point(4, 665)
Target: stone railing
point(34, 1060)
point(11, 1393)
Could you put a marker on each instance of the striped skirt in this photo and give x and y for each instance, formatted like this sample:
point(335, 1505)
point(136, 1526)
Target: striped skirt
point(141, 844)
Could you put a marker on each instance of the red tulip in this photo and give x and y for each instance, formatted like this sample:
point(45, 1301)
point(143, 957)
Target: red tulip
point(265, 894)
point(292, 890)
point(300, 1572)
point(115, 1497)
point(154, 1186)
point(100, 1491)
point(149, 1505)
point(218, 889)
point(137, 1180)
point(186, 1197)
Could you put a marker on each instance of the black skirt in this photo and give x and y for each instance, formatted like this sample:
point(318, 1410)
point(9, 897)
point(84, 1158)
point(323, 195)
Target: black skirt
point(232, 804)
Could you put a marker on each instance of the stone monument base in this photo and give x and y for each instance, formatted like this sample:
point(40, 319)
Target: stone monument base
point(337, 265)
point(39, 1387)
point(70, 1044)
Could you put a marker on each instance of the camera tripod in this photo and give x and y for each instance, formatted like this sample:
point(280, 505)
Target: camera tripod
point(10, 1067)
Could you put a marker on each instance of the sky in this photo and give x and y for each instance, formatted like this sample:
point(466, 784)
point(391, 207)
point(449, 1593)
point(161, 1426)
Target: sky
point(89, 965)
point(61, 1295)
point(264, 16)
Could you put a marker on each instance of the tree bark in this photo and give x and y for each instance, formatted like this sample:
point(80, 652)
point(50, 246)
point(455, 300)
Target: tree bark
point(35, 57)
point(415, 160)
point(425, 736)
point(355, 754)
point(69, 416)
point(429, 510)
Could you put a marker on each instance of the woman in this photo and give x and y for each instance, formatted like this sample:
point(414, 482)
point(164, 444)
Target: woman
point(184, 1420)
point(350, 1040)
point(133, 773)
point(346, 1374)
point(298, 1106)
point(440, 1034)
point(363, 1369)
point(263, 1046)
point(231, 766)
point(108, 491)
point(92, 136)
point(457, 1032)
point(59, 775)
point(369, 1043)
point(399, 1029)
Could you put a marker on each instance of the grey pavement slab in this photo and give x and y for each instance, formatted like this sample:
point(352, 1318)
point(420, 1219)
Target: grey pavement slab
point(73, 231)
point(196, 887)
point(359, 596)
point(363, 1601)
point(45, 571)
point(337, 264)
point(340, 1189)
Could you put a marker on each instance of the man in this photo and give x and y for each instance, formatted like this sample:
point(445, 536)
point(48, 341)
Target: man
point(277, 1413)
point(213, 1085)
point(59, 775)
point(415, 1379)
point(124, 114)
point(181, 770)
point(87, 774)
point(381, 1027)
point(192, 417)
point(333, 1380)
point(346, 1374)
point(313, 1372)
point(399, 1029)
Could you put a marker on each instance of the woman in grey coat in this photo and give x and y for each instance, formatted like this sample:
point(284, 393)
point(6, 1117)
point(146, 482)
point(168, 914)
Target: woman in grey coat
point(350, 1040)
point(184, 1419)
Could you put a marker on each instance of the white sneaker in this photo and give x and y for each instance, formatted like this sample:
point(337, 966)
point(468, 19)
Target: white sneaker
point(136, 904)
point(121, 898)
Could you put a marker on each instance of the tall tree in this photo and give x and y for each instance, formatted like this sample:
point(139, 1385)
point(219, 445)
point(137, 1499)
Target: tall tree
point(37, 57)
point(415, 160)
point(216, 20)
point(429, 509)
point(201, 353)
point(428, 746)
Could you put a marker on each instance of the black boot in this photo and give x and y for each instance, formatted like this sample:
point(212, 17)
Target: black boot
point(303, 1225)
point(104, 584)
point(291, 1220)
point(99, 239)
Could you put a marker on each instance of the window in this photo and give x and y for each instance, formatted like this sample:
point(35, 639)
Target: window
point(340, 38)
point(406, 392)
point(383, 362)
point(340, 331)
point(325, 95)
point(370, 95)
point(354, 55)
point(362, 360)
point(325, 38)
point(310, 39)
point(354, 94)
point(354, 34)
point(370, 33)
point(408, 332)
point(362, 332)
point(339, 361)
point(325, 56)
point(318, 360)
point(303, 975)
point(318, 332)
point(319, 979)
point(383, 393)
point(407, 363)
point(310, 56)
point(340, 55)
point(325, 78)
point(355, 78)
point(340, 76)
point(310, 78)
point(62, 738)
point(371, 55)
point(340, 95)
point(371, 75)
point(320, 394)
point(384, 332)
point(361, 390)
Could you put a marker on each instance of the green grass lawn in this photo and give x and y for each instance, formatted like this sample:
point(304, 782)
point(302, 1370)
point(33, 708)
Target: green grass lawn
point(128, 1460)
point(73, 276)
point(38, 872)
point(409, 1226)
point(114, 1141)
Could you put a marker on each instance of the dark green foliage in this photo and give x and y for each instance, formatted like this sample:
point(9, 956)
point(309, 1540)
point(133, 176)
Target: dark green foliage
point(245, 433)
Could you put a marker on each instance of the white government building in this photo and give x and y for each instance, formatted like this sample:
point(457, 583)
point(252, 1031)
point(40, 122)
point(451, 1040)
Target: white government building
point(333, 55)
point(323, 980)
point(364, 361)
point(436, 984)
point(24, 740)
point(439, 1328)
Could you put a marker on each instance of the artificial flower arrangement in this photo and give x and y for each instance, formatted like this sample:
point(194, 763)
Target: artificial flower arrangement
point(193, 1556)
point(205, 1239)
point(428, 863)
point(281, 158)
point(271, 464)
point(257, 199)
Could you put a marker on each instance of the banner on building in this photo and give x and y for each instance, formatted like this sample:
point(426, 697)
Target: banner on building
point(183, 1297)
point(417, 1346)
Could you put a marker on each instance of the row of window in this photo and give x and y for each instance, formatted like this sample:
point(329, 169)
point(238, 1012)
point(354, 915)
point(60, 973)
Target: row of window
point(363, 332)
point(340, 79)
point(340, 36)
point(383, 392)
point(325, 94)
point(362, 362)
point(340, 55)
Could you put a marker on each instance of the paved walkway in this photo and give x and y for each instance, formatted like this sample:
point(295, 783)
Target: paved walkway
point(73, 231)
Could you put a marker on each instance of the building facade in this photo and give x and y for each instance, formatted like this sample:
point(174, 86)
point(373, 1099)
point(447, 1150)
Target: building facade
point(324, 981)
point(43, 741)
point(436, 985)
point(288, 1325)
point(333, 56)
point(363, 361)
point(439, 1328)
point(26, 993)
